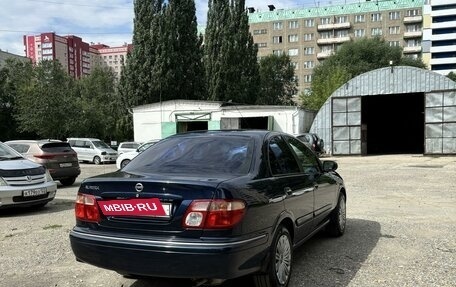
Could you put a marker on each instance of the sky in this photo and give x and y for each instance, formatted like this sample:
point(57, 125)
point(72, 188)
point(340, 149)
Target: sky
point(99, 21)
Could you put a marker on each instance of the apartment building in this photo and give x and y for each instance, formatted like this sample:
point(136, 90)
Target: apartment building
point(439, 35)
point(310, 35)
point(76, 56)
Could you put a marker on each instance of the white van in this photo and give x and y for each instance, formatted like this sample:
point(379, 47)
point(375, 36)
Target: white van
point(93, 150)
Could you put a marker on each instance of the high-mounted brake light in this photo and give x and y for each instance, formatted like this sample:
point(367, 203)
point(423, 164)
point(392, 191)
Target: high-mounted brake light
point(213, 214)
point(86, 208)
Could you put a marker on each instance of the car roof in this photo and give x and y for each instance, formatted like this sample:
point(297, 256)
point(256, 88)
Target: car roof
point(33, 141)
point(260, 134)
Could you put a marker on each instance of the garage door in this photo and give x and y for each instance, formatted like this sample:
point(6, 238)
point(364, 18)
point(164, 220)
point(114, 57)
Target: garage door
point(346, 125)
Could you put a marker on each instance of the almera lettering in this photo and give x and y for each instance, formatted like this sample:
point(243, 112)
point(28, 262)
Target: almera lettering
point(132, 207)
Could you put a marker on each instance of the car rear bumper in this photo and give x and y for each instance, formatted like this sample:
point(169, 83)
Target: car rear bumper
point(63, 173)
point(202, 258)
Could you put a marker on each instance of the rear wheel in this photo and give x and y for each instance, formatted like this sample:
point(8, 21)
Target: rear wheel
point(279, 268)
point(338, 218)
point(96, 160)
point(68, 181)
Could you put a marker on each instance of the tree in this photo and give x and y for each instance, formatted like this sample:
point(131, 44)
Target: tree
point(98, 105)
point(230, 55)
point(352, 59)
point(452, 76)
point(179, 65)
point(44, 101)
point(277, 81)
point(139, 83)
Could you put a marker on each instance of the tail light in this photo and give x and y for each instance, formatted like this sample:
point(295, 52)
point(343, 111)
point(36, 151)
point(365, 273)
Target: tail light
point(44, 156)
point(86, 208)
point(213, 214)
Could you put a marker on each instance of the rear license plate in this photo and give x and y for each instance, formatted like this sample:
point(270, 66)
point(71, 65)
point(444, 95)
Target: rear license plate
point(135, 207)
point(66, 164)
point(34, 192)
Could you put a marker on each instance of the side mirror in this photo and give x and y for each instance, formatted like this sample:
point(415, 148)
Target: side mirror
point(329, 165)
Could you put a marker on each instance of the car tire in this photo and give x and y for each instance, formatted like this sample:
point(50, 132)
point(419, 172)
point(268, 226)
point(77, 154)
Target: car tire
point(280, 260)
point(338, 218)
point(124, 163)
point(68, 181)
point(96, 160)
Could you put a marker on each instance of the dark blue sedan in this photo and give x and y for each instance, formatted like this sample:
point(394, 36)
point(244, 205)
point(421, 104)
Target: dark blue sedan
point(210, 206)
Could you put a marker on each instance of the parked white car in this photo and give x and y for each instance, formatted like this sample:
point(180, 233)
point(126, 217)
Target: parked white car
point(93, 150)
point(23, 182)
point(125, 158)
point(127, 147)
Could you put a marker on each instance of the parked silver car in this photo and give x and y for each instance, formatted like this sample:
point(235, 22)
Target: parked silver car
point(23, 182)
point(57, 156)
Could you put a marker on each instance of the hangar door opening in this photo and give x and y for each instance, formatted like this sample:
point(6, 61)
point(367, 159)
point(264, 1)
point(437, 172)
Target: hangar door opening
point(392, 124)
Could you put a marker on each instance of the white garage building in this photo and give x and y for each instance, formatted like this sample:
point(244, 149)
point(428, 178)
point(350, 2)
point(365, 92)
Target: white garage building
point(159, 120)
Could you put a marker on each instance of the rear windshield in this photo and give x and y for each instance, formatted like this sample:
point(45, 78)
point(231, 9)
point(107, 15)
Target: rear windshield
point(56, 147)
point(196, 155)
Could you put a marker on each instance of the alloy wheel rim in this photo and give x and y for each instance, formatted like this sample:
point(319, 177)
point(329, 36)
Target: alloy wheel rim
point(342, 214)
point(283, 259)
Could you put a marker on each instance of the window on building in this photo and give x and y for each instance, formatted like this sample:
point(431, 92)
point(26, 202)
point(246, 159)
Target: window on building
point(293, 38)
point(110, 56)
point(293, 24)
point(260, 32)
point(341, 19)
point(341, 33)
point(262, 45)
point(394, 30)
point(326, 49)
point(359, 33)
point(46, 45)
point(308, 36)
point(326, 35)
point(325, 20)
point(277, 39)
point(360, 18)
point(394, 43)
point(293, 52)
point(277, 52)
point(309, 50)
point(413, 12)
point(413, 28)
point(307, 78)
point(375, 17)
point(277, 25)
point(412, 43)
point(395, 15)
point(309, 64)
point(309, 23)
point(376, 31)
point(295, 65)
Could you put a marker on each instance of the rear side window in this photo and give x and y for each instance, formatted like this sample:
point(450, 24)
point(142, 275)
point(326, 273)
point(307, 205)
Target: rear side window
point(20, 148)
point(56, 147)
point(306, 157)
point(281, 159)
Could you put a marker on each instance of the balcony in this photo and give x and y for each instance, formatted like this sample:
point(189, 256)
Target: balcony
point(333, 40)
point(413, 19)
point(324, 54)
point(413, 34)
point(411, 50)
point(334, 26)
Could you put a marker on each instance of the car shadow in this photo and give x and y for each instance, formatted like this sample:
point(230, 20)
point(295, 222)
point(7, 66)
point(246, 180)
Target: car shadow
point(321, 261)
point(56, 205)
